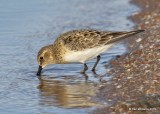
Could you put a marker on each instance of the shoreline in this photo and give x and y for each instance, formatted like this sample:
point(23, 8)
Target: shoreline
point(135, 87)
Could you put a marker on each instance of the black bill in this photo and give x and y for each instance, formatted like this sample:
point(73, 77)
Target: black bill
point(39, 70)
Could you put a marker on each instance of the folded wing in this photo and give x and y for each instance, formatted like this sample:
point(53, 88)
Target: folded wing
point(83, 39)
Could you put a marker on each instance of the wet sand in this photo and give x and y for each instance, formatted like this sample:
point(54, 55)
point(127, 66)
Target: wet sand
point(135, 87)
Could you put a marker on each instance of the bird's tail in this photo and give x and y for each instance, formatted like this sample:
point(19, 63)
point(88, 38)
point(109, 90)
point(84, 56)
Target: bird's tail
point(116, 36)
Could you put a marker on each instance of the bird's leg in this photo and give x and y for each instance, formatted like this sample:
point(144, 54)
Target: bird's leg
point(85, 68)
point(98, 59)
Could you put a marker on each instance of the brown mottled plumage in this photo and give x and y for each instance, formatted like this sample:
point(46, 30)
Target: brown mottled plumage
point(79, 46)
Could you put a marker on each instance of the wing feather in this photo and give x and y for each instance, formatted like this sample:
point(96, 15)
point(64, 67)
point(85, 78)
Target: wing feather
point(83, 39)
point(80, 39)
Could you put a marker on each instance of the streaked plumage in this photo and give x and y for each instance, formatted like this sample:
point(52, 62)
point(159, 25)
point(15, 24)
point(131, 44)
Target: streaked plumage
point(79, 46)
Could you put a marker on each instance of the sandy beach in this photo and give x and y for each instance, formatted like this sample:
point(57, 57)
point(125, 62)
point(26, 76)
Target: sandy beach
point(135, 87)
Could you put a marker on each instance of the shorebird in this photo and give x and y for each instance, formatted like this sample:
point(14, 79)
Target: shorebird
point(79, 46)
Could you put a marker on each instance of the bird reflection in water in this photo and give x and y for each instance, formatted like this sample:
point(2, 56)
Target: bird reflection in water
point(64, 93)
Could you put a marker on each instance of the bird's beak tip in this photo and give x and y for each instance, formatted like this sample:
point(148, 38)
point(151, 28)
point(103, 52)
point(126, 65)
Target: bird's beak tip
point(39, 70)
point(38, 74)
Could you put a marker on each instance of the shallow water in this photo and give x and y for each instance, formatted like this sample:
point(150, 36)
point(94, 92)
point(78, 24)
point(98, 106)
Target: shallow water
point(26, 26)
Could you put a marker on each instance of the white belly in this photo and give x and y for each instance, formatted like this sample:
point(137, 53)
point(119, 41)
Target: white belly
point(82, 56)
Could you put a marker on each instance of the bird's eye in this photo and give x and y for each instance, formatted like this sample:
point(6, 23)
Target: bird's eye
point(41, 58)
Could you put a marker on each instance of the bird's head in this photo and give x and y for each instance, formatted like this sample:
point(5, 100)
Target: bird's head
point(45, 57)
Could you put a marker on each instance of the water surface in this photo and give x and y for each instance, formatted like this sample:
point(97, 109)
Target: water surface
point(26, 26)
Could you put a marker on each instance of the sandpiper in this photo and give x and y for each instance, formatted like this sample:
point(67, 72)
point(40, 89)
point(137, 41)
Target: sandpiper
point(79, 46)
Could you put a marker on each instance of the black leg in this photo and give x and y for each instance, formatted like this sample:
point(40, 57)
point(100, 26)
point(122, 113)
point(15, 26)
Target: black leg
point(85, 68)
point(98, 59)
point(86, 76)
